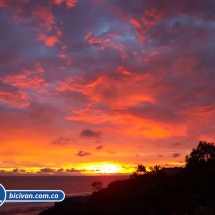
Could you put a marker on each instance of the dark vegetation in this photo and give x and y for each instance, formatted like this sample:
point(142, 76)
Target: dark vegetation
point(97, 186)
point(190, 191)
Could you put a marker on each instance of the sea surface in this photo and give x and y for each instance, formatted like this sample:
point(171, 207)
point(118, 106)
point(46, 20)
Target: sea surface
point(71, 185)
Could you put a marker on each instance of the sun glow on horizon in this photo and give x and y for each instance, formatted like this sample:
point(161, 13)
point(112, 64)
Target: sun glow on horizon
point(104, 168)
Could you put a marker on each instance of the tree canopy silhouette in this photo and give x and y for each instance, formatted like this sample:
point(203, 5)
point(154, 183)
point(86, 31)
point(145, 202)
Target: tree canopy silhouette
point(140, 170)
point(204, 153)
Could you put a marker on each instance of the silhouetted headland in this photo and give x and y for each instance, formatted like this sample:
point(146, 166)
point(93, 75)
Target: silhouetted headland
point(162, 191)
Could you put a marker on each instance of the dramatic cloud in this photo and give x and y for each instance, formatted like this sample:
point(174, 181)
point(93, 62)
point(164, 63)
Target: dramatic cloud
point(83, 153)
point(127, 75)
point(90, 133)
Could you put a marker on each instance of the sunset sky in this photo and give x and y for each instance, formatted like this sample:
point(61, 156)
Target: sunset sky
point(99, 86)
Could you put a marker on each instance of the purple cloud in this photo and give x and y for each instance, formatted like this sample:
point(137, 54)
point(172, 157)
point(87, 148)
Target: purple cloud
point(83, 153)
point(90, 133)
point(175, 155)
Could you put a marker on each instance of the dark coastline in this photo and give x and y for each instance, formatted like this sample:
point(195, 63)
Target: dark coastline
point(70, 205)
point(151, 194)
point(161, 191)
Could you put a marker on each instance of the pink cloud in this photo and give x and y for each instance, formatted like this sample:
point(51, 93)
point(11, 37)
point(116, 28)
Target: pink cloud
point(95, 40)
point(69, 3)
point(68, 60)
point(6, 3)
point(89, 34)
point(106, 42)
point(135, 22)
point(23, 81)
point(44, 17)
point(58, 31)
point(58, 1)
point(151, 16)
point(18, 99)
point(48, 40)
point(39, 67)
point(91, 116)
point(3, 3)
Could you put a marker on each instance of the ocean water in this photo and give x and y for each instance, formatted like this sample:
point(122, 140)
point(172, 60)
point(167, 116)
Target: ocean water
point(71, 185)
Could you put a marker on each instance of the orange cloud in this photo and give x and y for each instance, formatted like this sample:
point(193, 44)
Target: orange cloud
point(151, 128)
point(106, 90)
point(123, 71)
point(130, 125)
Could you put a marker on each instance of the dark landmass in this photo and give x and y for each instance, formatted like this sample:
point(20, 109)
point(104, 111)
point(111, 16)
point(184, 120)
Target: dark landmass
point(188, 191)
point(70, 205)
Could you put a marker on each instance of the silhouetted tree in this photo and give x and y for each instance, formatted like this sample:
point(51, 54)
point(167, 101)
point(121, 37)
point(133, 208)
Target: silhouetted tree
point(140, 170)
point(204, 153)
point(155, 169)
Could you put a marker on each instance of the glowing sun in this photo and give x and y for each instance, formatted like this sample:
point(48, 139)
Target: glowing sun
point(104, 168)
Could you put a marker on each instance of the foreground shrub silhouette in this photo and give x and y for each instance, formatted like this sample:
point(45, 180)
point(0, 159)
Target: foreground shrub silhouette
point(204, 211)
point(203, 155)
